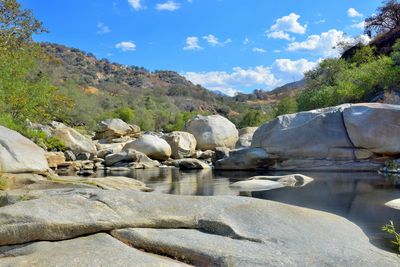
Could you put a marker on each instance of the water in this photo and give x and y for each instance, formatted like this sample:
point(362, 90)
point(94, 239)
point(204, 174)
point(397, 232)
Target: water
point(359, 197)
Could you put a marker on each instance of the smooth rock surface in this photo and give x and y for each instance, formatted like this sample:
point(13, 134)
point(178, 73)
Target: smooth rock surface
point(374, 126)
point(152, 146)
point(394, 204)
point(256, 185)
point(212, 131)
point(244, 159)
point(183, 144)
point(115, 128)
point(189, 164)
point(72, 139)
point(293, 180)
point(19, 154)
point(245, 137)
point(132, 158)
point(94, 250)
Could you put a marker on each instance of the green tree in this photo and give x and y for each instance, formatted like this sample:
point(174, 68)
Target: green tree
point(287, 105)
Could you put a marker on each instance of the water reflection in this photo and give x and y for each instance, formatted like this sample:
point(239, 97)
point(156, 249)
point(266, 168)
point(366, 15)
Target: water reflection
point(359, 197)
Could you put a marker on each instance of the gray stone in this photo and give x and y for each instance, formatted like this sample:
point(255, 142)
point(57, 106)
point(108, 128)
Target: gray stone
point(292, 180)
point(115, 128)
point(188, 164)
point(132, 158)
point(19, 154)
point(94, 250)
point(244, 159)
point(245, 137)
point(221, 153)
point(212, 131)
point(152, 146)
point(394, 204)
point(256, 185)
point(183, 144)
point(83, 156)
point(69, 155)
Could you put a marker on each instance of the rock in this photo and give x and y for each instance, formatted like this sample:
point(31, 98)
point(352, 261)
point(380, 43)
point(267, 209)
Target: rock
point(72, 139)
point(83, 156)
point(54, 158)
point(132, 158)
point(199, 228)
point(183, 144)
point(115, 128)
point(152, 146)
point(292, 180)
point(374, 126)
point(244, 159)
point(19, 154)
point(69, 155)
point(114, 147)
point(245, 137)
point(207, 155)
point(394, 204)
point(94, 250)
point(188, 164)
point(212, 131)
point(104, 152)
point(256, 185)
point(220, 153)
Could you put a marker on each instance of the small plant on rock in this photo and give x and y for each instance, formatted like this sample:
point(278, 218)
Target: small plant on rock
point(390, 229)
point(3, 182)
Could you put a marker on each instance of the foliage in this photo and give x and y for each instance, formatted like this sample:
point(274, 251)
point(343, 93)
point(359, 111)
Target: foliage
point(3, 182)
point(287, 105)
point(390, 229)
point(125, 113)
point(254, 118)
point(395, 55)
point(387, 18)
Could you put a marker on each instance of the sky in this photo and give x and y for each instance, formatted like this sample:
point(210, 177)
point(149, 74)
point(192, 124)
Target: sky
point(225, 45)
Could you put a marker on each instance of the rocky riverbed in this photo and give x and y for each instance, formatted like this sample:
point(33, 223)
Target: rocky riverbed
point(49, 216)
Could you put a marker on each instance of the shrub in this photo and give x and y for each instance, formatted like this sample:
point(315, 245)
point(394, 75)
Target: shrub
point(390, 229)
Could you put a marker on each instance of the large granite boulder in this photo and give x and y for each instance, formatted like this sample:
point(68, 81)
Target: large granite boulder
point(374, 126)
point(183, 144)
point(188, 164)
point(130, 158)
point(212, 131)
point(151, 145)
point(72, 139)
point(115, 128)
point(245, 137)
point(345, 137)
point(205, 231)
point(251, 158)
point(19, 154)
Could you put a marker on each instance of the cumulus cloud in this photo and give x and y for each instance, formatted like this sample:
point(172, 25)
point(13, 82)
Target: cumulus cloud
point(168, 6)
point(352, 13)
point(135, 4)
point(360, 25)
point(246, 41)
point(289, 23)
point(291, 70)
point(325, 44)
point(259, 50)
point(280, 35)
point(214, 41)
point(192, 43)
point(102, 28)
point(126, 46)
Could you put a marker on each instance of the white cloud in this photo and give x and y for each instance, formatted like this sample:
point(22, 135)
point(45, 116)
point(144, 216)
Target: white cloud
point(352, 13)
point(135, 4)
point(246, 41)
point(277, 51)
point(168, 6)
point(259, 50)
point(293, 68)
point(360, 25)
point(102, 28)
point(214, 41)
point(323, 44)
point(192, 43)
point(126, 46)
point(289, 23)
point(320, 21)
point(280, 35)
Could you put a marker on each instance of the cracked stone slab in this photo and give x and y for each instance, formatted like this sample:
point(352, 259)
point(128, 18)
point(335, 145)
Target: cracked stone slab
point(291, 230)
point(94, 250)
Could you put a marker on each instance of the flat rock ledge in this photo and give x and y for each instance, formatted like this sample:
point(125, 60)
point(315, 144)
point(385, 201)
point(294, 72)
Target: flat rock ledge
point(88, 225)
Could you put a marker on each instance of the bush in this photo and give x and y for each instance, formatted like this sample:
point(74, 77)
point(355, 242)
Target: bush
point(390, 229)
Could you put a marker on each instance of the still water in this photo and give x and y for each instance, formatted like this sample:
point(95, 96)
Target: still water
point(359, 197)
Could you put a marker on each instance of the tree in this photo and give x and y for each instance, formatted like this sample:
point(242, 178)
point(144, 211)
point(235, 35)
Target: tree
point(287, 105)
point(386, 19)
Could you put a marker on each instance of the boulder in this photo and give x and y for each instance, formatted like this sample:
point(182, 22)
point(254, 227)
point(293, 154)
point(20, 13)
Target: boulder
point(54, 158)
point(292, 180)
point(256, 185)
point(115, 128)
point(131, 158)
point(188, 164)
point(94, 250)
point(394, 204)
point(374, 126)
point(220, 153)
point(152, 146)
point(183, 144)
point(72, 139)
point(237, 231)
point(245, 137)
point(244, 159)
point(212, 131)
point(19, 154)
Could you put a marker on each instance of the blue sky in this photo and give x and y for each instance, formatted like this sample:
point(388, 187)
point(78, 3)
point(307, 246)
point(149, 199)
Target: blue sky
point(226, 45)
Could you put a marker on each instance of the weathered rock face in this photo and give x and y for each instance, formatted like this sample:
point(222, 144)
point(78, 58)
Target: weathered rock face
point(245, 137)
point(115, 128)
point(188, 164)
point(95, 250)
point(212, 131)
point(217, 231)
point(344, 137)
point(55, 158)
point(262, 183)
point(375, 127)
point(130, 158)
point(151, 145)
point(73, 140)
point(244, 159)
point(19, 154)
point(183, 144)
